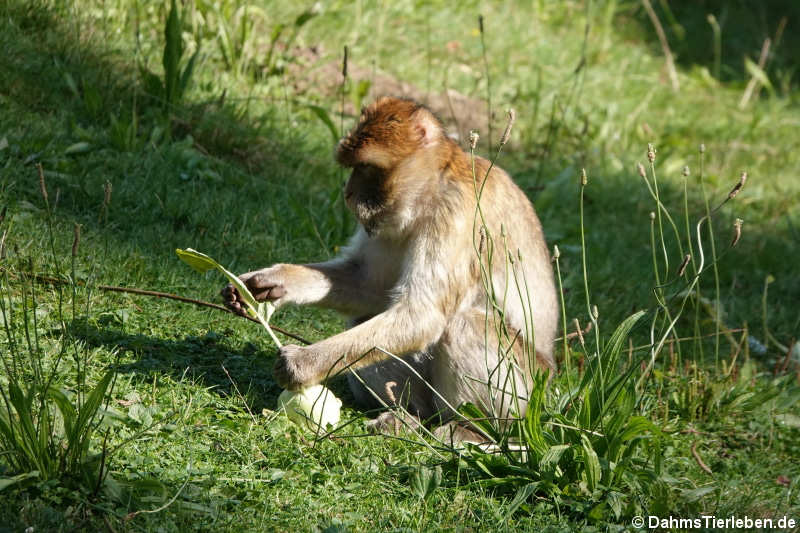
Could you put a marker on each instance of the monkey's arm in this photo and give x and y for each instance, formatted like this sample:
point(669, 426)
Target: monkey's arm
point(398, 330)
point(414, 321)
point(339, 284)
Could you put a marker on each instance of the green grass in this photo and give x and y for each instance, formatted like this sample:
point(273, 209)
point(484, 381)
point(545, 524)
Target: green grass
point(242, 170)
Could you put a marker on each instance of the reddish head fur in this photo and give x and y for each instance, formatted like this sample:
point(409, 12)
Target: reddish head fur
point(387, 132)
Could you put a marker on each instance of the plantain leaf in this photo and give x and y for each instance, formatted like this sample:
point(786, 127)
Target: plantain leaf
point(424, 481)
point(323, 115)
point(523, 495)
point(305, 16)
point(262, 311)
point(173, 50)
point(553, 455)
point(187, 72)
point(6, 482)
point(78, 148)
point(591, 462)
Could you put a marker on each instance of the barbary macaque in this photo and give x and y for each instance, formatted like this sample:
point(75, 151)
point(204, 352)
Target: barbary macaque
point(460, 294)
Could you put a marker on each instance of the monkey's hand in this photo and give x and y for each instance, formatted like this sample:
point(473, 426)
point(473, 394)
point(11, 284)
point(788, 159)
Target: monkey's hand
point(293, 368)
point(264, 285)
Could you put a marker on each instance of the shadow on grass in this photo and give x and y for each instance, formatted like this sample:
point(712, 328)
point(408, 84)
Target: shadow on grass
point(744, 26)
point(197, 359)
point(203, 360)
point(191, 171)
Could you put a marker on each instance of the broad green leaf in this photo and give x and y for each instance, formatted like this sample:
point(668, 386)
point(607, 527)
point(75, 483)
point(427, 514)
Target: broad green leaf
point(425, 480)
point(358, 92)
point(260, 311)
point(323, 115)
point(6, 482)
point(187, 72)
point(78, 148)
point(305, 16)
point(615, 344)
point(65, 407)
point(693, 495)
point(591, 462)
point(89, 410)
point(637, 427)
point(478, 418)
point(552, 456)
point(523, 494)
point(615, 502)
point(173, 50)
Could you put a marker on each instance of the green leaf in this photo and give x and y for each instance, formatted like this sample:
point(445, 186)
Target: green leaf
point(553, 455)
point(591, 462)
point(304, 17)
point(65, 407)
point(173, 50)
point(78, 148)
point(323, 115)
point(523, 494)
point(615, 344)
point(425, 480)
point(692, 496)
point(358, 92)
point(6, 482)
point(473, 413)
point(637, 427)
point(187, 72)
point(615, 502)
point(758, 73)
point(202, 263)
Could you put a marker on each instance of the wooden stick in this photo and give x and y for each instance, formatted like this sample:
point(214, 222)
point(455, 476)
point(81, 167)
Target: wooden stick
point(662, 37)
point(700, 462)
point(143, 292)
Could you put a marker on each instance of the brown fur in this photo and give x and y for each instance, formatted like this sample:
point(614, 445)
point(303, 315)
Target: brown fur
point(411, 278)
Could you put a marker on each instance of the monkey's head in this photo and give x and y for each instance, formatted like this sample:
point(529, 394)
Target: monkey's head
point(389, 132)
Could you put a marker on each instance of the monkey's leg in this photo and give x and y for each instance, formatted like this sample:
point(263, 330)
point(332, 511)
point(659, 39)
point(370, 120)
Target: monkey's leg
point(472, 363)
point(394, 383)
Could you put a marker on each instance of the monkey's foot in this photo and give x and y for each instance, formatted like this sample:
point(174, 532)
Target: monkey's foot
point(390, 423)
point(454, 433)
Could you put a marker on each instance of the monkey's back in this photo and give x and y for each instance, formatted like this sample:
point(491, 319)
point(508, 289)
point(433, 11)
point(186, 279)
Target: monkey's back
point(522, 274)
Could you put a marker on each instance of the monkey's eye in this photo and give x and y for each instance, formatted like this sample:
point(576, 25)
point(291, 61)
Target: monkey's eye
point(367, 168)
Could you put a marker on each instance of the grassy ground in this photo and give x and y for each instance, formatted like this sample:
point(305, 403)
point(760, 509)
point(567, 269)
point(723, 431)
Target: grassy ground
point(240, 167)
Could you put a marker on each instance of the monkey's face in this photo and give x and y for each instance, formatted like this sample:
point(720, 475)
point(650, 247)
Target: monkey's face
point(366, 193)
point(390, 132)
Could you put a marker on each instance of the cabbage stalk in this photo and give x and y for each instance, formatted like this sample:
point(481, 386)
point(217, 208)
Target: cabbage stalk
point(314, 407)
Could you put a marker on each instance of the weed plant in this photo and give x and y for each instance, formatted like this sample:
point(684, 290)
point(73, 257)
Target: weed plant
point(54, 422)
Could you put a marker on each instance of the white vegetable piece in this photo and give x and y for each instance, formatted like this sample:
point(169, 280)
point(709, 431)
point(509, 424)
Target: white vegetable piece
point(314, 407)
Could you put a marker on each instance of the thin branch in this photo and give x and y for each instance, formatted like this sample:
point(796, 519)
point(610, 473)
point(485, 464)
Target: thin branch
point(662, 37)
point(132, 515)
point(574, 334)
point(754, 82)
point(169, 296)
point(697, 458)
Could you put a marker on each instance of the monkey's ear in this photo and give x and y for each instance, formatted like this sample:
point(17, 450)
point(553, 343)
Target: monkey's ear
point(427, 127)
